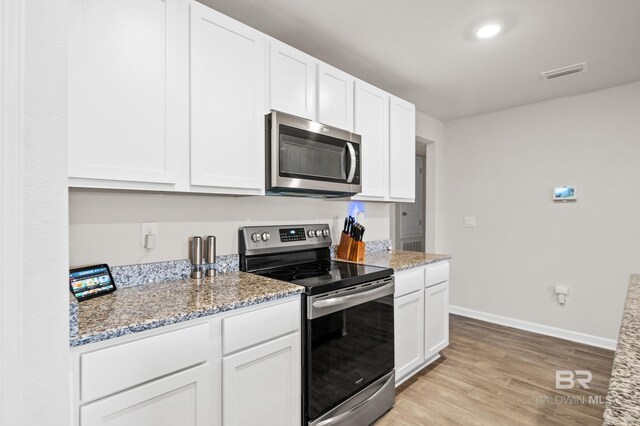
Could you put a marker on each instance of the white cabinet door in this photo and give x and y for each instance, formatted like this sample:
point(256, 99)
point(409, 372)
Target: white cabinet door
point(227, 103)
point(183, 399)
point(335, 97)
point(409, 332)
point(261, 386)
point(436, 318)
point(402, 150)
point(122, 91)
point(292, 80)
point(372, 123)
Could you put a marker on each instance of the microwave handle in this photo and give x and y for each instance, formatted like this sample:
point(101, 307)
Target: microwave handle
point(352, 162)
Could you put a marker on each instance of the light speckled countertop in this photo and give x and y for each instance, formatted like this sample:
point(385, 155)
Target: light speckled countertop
point(623, 399)
point(400, 260)
point(145, 307)
point(132, 309)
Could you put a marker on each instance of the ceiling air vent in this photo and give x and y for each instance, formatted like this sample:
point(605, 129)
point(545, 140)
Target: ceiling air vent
point(561, 72)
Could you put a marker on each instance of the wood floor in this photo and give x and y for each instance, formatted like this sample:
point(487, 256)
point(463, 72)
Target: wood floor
point(496, 375)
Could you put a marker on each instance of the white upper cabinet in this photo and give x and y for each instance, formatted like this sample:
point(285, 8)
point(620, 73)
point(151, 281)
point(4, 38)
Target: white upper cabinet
point(335, 97)
point(228, 73)
point(372, 123)
point(171, 95)
point(122, 92)
point(402, 150)
point(292, 80)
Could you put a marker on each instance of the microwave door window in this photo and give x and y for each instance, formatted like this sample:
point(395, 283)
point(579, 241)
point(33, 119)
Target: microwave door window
point(304, 158)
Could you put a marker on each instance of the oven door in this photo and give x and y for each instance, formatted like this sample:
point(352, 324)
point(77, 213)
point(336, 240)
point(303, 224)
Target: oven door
point(308, 156)
point(349, 343)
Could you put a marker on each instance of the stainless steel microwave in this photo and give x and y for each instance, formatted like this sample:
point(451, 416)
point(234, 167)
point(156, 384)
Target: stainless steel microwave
point(309, 158)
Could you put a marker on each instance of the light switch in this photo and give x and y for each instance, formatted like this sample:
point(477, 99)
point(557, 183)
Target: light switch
point(469, 221)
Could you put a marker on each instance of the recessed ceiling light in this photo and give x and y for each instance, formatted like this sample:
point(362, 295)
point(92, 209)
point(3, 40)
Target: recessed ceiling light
point(489, 29)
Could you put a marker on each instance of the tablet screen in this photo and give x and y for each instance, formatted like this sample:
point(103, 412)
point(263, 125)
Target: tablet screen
point(91, 281)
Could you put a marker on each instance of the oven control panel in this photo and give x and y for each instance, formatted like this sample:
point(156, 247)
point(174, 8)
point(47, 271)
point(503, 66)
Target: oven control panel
point(292, 234)
point(298, 237)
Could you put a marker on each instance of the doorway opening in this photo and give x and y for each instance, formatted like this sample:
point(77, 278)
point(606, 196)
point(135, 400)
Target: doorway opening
point(410, 220)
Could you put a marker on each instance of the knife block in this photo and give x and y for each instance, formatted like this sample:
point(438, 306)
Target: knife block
point(357, 251)
point(344, 248)
point(350, 249)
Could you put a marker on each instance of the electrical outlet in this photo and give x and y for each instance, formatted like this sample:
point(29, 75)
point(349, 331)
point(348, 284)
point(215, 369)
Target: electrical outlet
point(469, 222)
point(146, 229)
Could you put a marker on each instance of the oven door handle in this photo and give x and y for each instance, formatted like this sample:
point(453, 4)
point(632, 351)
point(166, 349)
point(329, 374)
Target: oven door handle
point(352, 162)
point(354, 299)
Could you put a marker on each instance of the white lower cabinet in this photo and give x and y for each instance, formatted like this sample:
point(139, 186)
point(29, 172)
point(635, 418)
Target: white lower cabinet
point(261, 385)
point(180, 399)
point(241, 367)
point(436, 319)
point(409, 347)
point(421, 317)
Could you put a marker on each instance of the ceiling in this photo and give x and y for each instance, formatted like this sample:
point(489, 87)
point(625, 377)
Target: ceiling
point(421, 50)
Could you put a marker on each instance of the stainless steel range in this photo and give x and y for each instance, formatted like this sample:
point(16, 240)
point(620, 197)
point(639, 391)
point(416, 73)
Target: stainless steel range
point(348, 357)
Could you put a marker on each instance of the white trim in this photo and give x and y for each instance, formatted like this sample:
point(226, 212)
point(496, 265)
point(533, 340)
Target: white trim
point(561, 333)
point(11, 204)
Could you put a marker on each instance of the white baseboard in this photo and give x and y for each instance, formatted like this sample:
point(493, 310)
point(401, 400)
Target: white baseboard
point(561, 333)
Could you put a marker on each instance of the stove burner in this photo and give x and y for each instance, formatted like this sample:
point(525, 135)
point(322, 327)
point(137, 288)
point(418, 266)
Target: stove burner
point(310, 275)
point(282, 272)
point(310, 268)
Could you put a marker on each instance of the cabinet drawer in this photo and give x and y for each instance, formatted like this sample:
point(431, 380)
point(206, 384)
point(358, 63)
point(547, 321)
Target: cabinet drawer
point(250, 328)
point(110, 370)
point(183, 398)
point(407, 282)
point(437, 274)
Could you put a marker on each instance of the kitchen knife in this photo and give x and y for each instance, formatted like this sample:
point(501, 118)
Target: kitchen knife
point(346, 225)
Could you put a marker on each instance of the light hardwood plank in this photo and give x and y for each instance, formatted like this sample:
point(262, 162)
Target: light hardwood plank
point(496, 375)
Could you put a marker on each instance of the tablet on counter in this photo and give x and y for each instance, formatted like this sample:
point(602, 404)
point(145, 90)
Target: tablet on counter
point(91, 281)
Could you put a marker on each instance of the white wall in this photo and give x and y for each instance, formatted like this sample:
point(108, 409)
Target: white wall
point(501, 168)
point(38, 295)
point(105, 226)
point(10, 214)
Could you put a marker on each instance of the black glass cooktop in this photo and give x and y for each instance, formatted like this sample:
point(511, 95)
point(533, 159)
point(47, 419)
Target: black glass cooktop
point(327, 275)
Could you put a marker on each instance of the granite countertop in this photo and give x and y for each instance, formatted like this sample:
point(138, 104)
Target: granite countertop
point(400, 260)
point(145, 307)
point(623, 400)
point(141, 303)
